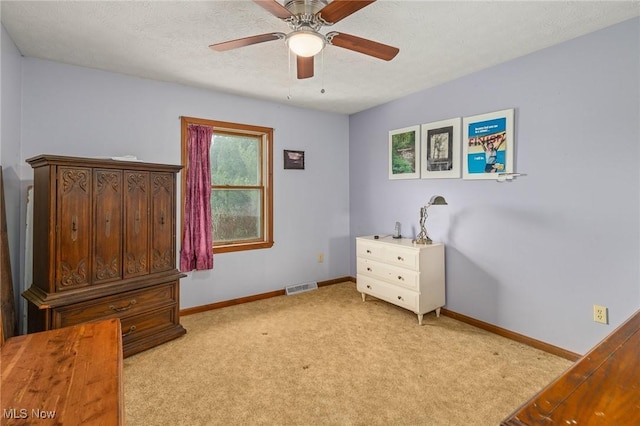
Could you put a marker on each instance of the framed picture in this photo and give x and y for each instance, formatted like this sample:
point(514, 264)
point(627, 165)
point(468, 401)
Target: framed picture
point(441, 149)
point(293, 159)
point(487, 148)
point(404, 153)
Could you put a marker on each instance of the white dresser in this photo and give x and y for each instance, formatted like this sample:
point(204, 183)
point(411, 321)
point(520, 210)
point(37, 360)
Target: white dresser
point(403, 273)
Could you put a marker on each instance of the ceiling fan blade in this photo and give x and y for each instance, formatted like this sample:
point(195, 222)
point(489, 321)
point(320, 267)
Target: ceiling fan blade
point(337, 10)
point(304, 66)
point(246, 41)
point(274, 8)
point(363, 45)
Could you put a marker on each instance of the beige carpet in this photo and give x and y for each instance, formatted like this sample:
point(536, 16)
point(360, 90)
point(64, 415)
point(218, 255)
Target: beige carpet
point(326, 358)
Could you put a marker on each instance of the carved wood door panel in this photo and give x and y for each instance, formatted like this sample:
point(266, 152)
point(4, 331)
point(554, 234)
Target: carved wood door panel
point(107, 264)
point(136, 239)
point(163, 225)
point(73, 228)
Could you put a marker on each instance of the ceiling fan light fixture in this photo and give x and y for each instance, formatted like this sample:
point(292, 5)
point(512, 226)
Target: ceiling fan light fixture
point(305, 43)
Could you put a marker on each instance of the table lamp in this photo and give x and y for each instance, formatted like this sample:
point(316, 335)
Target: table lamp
point(423, 237)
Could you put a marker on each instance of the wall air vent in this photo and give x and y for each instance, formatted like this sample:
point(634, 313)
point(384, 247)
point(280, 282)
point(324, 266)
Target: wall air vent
point(300, 288)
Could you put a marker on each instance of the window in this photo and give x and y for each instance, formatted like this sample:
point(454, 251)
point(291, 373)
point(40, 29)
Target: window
point(241, 159)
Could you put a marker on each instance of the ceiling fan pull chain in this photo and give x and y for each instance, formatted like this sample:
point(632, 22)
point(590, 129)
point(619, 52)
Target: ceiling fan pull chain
point(322, 71)
point(289, 72)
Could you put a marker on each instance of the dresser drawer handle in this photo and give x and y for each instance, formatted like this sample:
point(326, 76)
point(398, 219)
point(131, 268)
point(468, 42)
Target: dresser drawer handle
point(368, 251)
point(400, 298)
point(401, 259)
point(368, 286)
point(131, 330)
point(369, 269)
point(124, 308)
point(400, 277)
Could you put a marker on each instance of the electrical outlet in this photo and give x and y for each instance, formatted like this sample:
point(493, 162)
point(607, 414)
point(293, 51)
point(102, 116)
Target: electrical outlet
point(320, 257)
point(600, 314)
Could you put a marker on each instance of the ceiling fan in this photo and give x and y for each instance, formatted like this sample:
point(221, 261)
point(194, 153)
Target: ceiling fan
point(305, 18)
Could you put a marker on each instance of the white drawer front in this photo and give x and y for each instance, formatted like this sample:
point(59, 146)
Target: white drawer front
point(392, 274)
point(402, 297)
point(403, 257)
point(369, 250)
point(396, 255)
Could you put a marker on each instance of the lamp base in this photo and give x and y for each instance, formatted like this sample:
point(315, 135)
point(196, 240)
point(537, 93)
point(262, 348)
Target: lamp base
point(426, 240)
point(423, 237)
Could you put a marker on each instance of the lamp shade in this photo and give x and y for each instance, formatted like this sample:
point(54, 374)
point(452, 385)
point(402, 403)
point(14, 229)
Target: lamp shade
point(305, 43)
point(437, 200)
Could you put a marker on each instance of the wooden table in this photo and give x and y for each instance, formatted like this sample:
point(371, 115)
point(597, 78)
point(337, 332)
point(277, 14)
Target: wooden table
point(69, 376)
point(601, 388)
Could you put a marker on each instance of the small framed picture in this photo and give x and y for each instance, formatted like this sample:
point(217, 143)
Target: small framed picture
point(404, 153)
point(293, 159)
point(441, 149)
point(487, 145)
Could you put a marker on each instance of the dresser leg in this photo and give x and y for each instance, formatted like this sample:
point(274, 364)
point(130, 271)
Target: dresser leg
point(438, 312)
point(363, 296)
point(420, 319)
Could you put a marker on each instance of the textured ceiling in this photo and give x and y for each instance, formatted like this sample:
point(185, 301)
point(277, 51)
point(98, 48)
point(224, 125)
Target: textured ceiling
point(168, 40)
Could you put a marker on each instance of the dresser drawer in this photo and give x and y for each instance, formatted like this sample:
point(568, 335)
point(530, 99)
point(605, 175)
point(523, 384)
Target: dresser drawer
point(392, 274)
point(147, 324)
point(388, 253)
point(402, 297)
point(369, 250)
point(120, 305)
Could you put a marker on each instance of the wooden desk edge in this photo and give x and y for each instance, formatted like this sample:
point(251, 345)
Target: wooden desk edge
point(16, 365)
point(578, 374)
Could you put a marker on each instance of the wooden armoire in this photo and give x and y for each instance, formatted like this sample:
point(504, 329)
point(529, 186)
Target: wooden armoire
point(104, 246)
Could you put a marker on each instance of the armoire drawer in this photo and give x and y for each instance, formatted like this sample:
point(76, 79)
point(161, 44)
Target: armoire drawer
point(120, 305)
point(147, 324)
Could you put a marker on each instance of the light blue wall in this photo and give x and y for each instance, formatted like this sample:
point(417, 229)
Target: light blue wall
point(76, 111)
point(11, 84)
point(533, 255)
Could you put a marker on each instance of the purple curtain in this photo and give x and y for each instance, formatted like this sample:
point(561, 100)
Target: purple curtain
point(196, 250)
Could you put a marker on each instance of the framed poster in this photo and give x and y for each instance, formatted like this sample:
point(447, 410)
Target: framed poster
point(404, 153)
point(293, 159)
point(487, 148)
point(441, 149)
